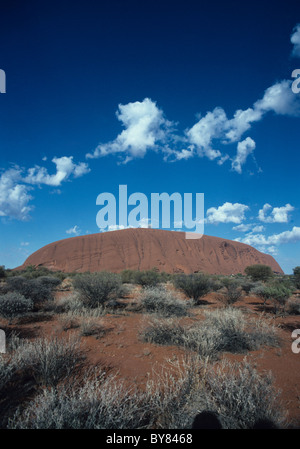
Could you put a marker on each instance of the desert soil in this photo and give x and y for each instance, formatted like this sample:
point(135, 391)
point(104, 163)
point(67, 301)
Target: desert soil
point(121, 350)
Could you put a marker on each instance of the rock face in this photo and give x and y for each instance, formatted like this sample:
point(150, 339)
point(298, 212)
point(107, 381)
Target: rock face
point(143, 249)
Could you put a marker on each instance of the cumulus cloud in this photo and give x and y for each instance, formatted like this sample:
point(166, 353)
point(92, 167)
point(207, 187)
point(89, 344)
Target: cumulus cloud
point(15, 185)
point(275, 215)
point(14, 196)
point(244, 148)
point(295, 40)
point(248, 227)
point(260, 240)
point(145, 126)
point(174, 155)
point(75, 230)
point(65, 167)
point(258, 229)
point(279, 99)
point(227, 213)
point(209, 127)
point(242, 227)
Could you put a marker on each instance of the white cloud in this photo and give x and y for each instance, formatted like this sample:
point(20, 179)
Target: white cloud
point(241, 122)
point(258, 229)
point(14, 196)
point(15, 186)
point(145, 126)
point(209, 127)
point(275, 215)
point(242, 227)
point(244, 148)
point(174, 155)
point(75, 230)
point(261, 242)
point(147, 129)
point(248, 227)
point(227, 213)
point(65, 167)
point(295, 40)
point(280, 99)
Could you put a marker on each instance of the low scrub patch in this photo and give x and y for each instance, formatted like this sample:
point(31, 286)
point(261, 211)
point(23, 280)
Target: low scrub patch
point(225, 330)
point(49, 360)
point(13, 304)
point(163, 302)
point(97, 404)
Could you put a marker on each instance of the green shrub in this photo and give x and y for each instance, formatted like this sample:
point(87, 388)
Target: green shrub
point(14, 304)
point(296, 277)
point(2, 272)
point(259, 272)
point(147, 278)
point(163, 302)
point(193, 285)
point(278, 293)
point(97, 288)
point(128, 276)
point(247, 285)
point(38, 289)
point(232, 293)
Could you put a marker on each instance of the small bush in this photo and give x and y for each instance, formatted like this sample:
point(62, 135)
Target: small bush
point(97, 288)
point(241, 396)
point(247, 285)
point(193, 285)
point(98, 404)
point(50, 360)
point(147, 278)
point(2, 272)
point(68, 321)
point(69, 303)
point(278, 293)
point(14, 304)
point(39, 289)
point(163, 302)
point(235, 392)
point(232, 293)
point(6, 373)
point(259, 272)
point(91, 326)
point(164, 332)
point(293, 306)
point(296, 277)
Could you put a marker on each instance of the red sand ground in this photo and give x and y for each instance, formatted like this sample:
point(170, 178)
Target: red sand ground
point(144, 249)
point(121, 349)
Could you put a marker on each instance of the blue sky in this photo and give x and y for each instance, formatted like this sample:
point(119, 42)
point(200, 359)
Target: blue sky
point(168, 96)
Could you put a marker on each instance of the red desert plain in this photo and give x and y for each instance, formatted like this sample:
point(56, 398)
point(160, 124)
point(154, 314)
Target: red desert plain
point(120, 336)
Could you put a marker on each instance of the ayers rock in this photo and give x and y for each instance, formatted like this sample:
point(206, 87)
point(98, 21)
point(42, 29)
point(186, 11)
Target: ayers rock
point(143, 249)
